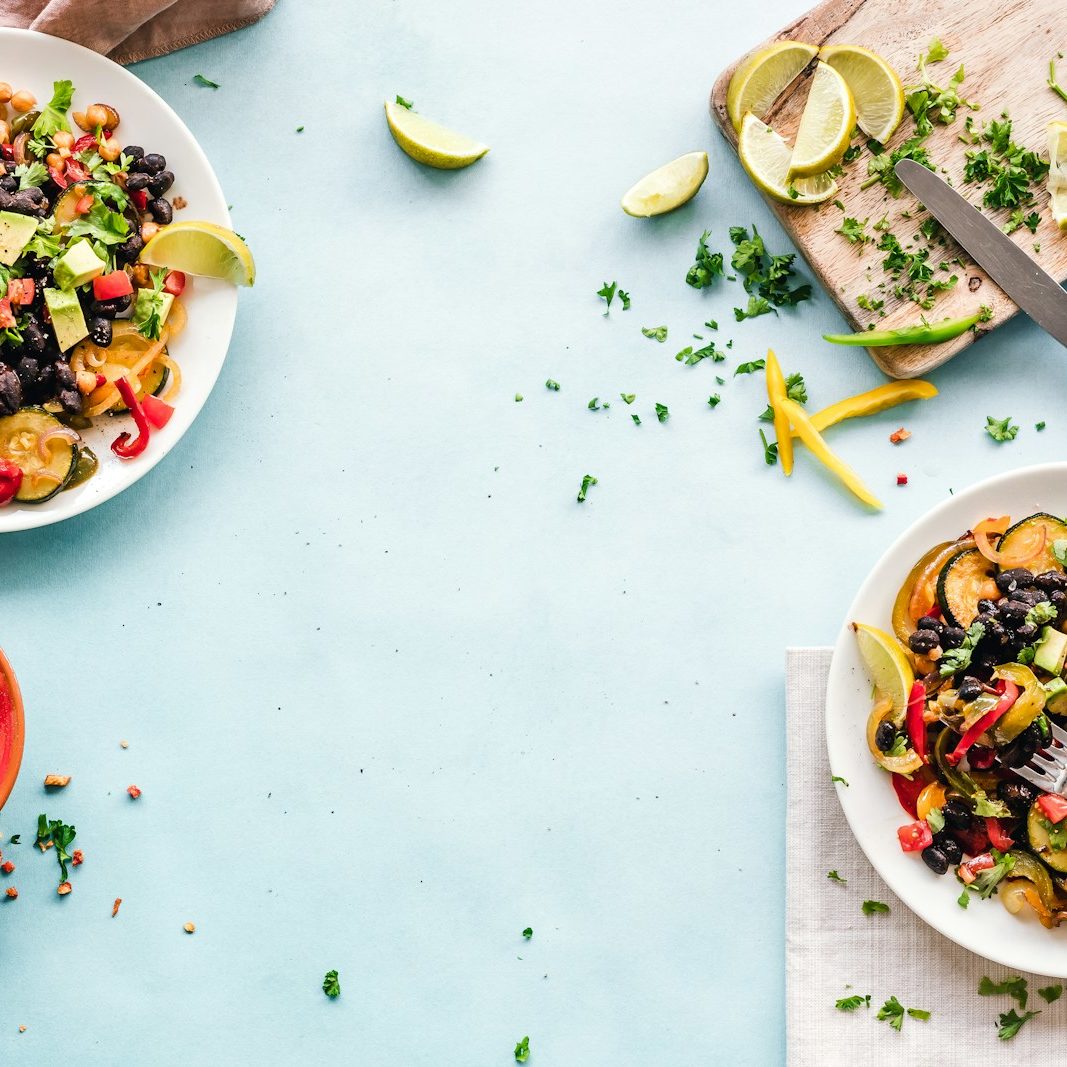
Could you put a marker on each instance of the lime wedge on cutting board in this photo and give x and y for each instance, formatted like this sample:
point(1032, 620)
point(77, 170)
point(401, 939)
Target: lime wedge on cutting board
point(875, 87)
point(668, 187)
point(430, 143)
point(202, 249)
point(763, 77)
point(766, 157)
point(825, 126)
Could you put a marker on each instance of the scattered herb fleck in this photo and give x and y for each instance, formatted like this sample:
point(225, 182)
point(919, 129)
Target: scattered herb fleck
point(871, 907)
point(331, 986)
point(1001, 429)
point(656, 333)
point(207, 83)
point(587, 482)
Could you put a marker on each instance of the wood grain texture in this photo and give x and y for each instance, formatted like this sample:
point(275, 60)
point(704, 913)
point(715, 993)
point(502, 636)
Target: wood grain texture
point(1005, 49)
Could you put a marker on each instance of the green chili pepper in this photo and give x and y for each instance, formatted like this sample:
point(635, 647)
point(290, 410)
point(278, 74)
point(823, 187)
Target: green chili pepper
point(961, 781)
point(925, 333)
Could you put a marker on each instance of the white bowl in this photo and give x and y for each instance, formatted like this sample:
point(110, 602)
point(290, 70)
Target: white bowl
point(870, 804)
point(33, 61)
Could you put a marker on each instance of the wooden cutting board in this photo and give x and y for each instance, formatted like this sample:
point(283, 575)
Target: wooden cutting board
point(1005, 49)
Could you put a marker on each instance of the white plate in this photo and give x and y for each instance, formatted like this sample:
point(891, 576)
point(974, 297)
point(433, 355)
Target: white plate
point(33, 61)
point(870, 804)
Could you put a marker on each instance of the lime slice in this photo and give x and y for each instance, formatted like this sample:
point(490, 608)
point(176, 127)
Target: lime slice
point(765, 155)
point(763, 77)
point(1058, 203)
point(202, 249)
point(668, 187)
point(1057, 155)
point(826, 125)
point(430, 143)
point(875, 87)
point(886, 665)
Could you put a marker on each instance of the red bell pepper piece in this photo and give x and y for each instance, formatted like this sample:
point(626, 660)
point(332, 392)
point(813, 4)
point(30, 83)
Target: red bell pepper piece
point(907, 791)
point(981, 758)
point(916, 725)
point(1009, 694)
point(7, 150)
point(113, 285)
point(998, 838)
point(10, 481)
point(84, 205)
point(1053, 806)
point(174, 283)
point(76, 172)
point(122, 446)
point(972, 868)
point(158, 412)
point(140, 199)
point(7, 317)
point(59, 178)
point(915, 836)
point(85, 141)
point(20, 291)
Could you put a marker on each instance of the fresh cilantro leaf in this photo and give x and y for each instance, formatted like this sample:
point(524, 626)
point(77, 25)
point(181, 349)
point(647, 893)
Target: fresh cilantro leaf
point(691, 357)
point(854, 231)
point(853, 1002)
point(522, 1050)
point(869, 303)
point(707, 267)
point(919, 1013)
point(751, 367)
point(628, 398)
point(757, 306)
point(986, 882)
point(528, 932)
point(625, 298)
point(31, 175)
point(15, 839)
point(714, 400)
point(656, 333)
point(637, 419)
point(57, 833)
point(588, 481)
point(662, 413)
point(53, 116)
point(330, 985)
point(100, 224)
point(207, 83)
point(892, 1010)
point(838, 778)
point(872, 907)
point(964, 899)
point(1050, 993)
point(711, 324)
point(554, 386)
point(594, 404)
point(608, 293)
point(765, 275)
point(1001, 429)
point(409, 104)
point(1039, 426)
point(770, 450)
point(1010, 1023)
point(835, 877)
point(151, 326)
point(959, 659)
point(1041, 613)
point(935, 52)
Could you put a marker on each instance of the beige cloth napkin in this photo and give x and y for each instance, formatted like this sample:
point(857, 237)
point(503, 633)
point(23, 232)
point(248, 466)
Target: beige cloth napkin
point(130, 30)
point(831, 944)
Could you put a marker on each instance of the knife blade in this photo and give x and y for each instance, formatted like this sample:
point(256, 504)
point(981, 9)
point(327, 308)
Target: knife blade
point(1033, 289)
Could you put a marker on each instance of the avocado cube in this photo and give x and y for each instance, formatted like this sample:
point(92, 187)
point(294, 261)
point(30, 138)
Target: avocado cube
point(67, 318)
point(16, 231)
point(147, 301)
point(1051, 651)
point(77, 265)
point(1055, 696)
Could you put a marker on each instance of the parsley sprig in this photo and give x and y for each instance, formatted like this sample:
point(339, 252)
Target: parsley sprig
point(59, 835)
point(707, 267)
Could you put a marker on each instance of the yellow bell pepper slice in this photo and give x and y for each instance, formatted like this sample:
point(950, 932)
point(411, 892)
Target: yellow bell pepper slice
point(870, 403)
point(823, 453)
point(1029, 704)
point(775, 394)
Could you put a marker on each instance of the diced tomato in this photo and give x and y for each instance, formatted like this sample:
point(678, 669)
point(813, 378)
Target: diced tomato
point(972, 868)
point(7, 319)
point(902, 479)
point(1053, 806)
point(77, 172)
point(82, 143)
point(998, 837)
point(60, 179)
point(20, 291)
point(175, 283)
point(140, 199)
point(915, 836)
point(973, 841)
point(84, 205)
point(10, 481)
point(113, 285)
point(907, 791)
point(156, 411)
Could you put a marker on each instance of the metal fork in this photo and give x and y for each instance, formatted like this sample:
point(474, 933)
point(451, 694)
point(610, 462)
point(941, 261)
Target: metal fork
point(1048, 769)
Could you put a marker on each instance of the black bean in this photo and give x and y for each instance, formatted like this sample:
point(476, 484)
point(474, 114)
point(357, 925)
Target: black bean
point(9, 183)
point(100, 331)
point(1008, 581)
point(1026, 632)
point(10, 391)
point(1018, 795)
point(957, 814)
point(1058, 598)
point(136, 181)
point(1030, 596)
point(923, 641)
point(153, 163)
point(935, 859)
point(130, 249)
point(71, 401)
point(1050, 580)
point(161, 210)
point(952, 636)
point(160, 183)
point(1014, 612)
point(928, 622)
point(986, 606)
point(133, 151)
point(949, 846)
point(109, 309)
point(970, 689)
point(884, 736)
point(33, 337)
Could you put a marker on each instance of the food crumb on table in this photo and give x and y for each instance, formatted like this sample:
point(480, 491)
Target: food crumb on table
point(134, 791)
point(115, 907)
point(56, 781)
point(189, 928)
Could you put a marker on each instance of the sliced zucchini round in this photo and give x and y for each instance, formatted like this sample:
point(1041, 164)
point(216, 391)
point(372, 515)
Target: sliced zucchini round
point(959, 586)
point(63, 214)
point(1036, 827)
point(42, 477)
point(1044, 560)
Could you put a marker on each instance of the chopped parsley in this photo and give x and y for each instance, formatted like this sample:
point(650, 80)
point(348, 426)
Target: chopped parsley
point(1001, 429)
point(750, 368)
point(518, 398)
point(528, 932)
point(1041, 613)
point(207, 83)
point(770, 450)
point(662, 412)
point(893, 1011)
point(764, 275)
point(869, 304)
point(1018, 219)
point(553, 385)
point(656, 333)
point(625, 298)
point(714, 400)
point(637, 419)
point(522, 1050)
point(57, 833)
point(691, 357)
point(594, 404)
point(835, 877)
point(409, 104)
point(587, 482)
point(757, 306)
point(959, 659)
point(627, 398)
point(1011, 1022)
point(854, 231)
point(964, 899)
point(707, 267)
point(872, 907)
point(853, 1002)
point(331, 986)
point(795, 389)
point(838, 778)
point(608, 293)
point(31, 175)
point(1050, 993)
point(151, 326)
point(1039, 426)
point(1008, 168)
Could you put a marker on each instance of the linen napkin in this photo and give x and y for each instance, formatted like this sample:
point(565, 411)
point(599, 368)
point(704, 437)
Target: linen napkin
point(131, 30)
point(833, 950)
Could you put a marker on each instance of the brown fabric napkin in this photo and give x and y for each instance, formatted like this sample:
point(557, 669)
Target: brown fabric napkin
point(129, 30)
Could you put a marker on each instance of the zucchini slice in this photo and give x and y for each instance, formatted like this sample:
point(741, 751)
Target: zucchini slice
point(1056, 858)
point(42, 475)
point(1044, 560)
point(63, 214)
point(959, 586)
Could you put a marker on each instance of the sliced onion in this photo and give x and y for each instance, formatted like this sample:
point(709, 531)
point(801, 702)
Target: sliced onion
point(43, 475)
point(1013, 894)
point(175, 382)
point(45, 438)
point(176, 319)
point(108, 394)
point(1031, 543)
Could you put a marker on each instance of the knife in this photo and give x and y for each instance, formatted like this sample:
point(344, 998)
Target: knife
point(1034, 290)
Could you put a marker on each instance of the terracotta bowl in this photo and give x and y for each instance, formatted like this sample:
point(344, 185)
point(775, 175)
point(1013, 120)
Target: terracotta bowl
point(12, 729)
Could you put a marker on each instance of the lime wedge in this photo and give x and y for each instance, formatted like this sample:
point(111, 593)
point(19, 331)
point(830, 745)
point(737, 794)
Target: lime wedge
point(876, 89)
point(1058, 203)
point(202, 249)
point(1057, 155)
point(668, 187)
point(763, 77)
point(430, 143)
point(826, 125)
point(765, 155)
point(886, 665)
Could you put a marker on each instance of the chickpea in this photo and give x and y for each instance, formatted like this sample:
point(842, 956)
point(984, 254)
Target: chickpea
point(110, 149)
point(139, 275)
point(86, 382)
point(5, 92)
point(63, 139)
point(5, 132)
point(54, 160)
point(148, 231)
point(81, 121)
point(112, 119)
point(96, 115)
point(23, 101)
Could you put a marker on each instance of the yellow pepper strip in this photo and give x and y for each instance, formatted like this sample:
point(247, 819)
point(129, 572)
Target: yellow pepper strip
point(870, 403)
point(822, 452)
point(776, 394)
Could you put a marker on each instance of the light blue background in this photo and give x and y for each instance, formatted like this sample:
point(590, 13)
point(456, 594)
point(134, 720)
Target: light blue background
point(393, 695)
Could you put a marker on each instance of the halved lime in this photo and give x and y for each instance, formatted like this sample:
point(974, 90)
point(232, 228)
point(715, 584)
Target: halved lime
point(429, 142)
point(668, 187)
point(203, 249)
point(765, 155)
point(762, 78)
point(876, 89)
point(826, 125)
